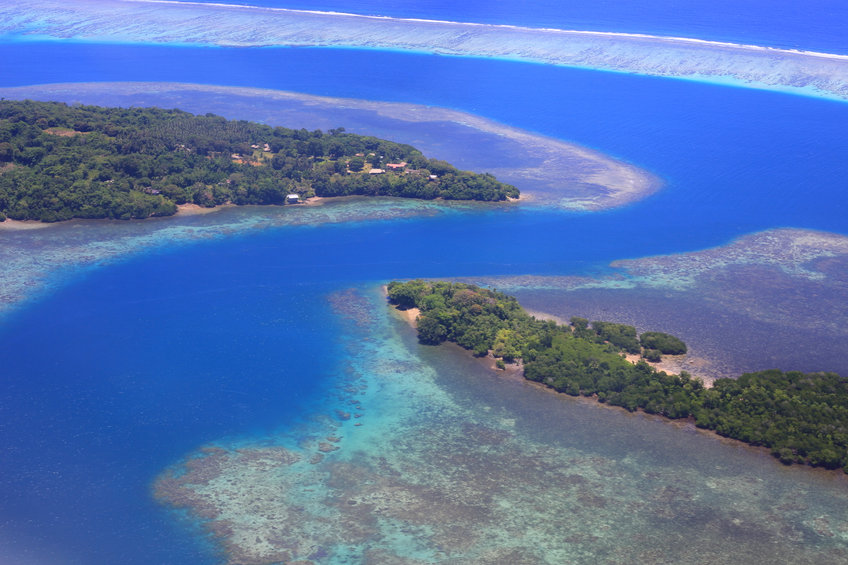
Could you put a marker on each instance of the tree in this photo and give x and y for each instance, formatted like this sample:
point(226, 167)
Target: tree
point(662, 342)
point(406, 295)
point(430, 331)
point(6, 152)
point(356, 164)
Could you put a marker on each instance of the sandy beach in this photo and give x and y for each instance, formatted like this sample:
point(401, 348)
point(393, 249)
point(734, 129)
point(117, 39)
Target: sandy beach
point(17, 225)
point(195, 209)
point(410, 316)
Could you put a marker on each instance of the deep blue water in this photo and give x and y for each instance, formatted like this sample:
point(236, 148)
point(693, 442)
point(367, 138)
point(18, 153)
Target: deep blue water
point(134, 367)
point(812, 25)
point(111, 378)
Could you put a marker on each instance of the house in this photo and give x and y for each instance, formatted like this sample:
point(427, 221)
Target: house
point(396, 166)
point(293, 199)
point(376, 172)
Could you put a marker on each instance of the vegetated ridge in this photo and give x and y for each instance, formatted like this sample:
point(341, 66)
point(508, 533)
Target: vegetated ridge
point(59, 162)
point(802, 418)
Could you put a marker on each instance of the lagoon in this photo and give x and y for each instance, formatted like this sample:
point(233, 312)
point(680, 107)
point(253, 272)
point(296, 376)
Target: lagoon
point(145, 342)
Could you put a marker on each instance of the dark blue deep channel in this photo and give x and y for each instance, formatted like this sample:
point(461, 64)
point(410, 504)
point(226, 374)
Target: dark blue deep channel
point(112, 378)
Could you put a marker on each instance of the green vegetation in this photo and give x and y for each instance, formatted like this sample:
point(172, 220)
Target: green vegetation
point(802, 418)
point(59, 162)
point(663, 343)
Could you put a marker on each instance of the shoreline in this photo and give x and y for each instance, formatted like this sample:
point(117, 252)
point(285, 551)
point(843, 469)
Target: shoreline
point(25, 225)
point(671, 364)
point(754, 283)
point(551, 172)
point(188, 210)
point(514, 373)
point(196, 210)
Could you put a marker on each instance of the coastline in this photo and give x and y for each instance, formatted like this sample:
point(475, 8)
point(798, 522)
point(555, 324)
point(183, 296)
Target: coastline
point(514, 373)
point(806, 73)
point(755, 302)
point(549, 172)
point(188, 210)
point(440, 457)
point(21, 225)
point(196, 209)
point(410, 316)
point(671, 364)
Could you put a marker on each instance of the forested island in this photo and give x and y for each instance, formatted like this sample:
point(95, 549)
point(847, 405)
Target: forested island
point(801, 418)
point(59, 162)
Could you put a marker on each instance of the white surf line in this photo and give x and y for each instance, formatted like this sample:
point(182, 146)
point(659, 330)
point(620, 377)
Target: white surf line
point(798, 72)
point(576, 32)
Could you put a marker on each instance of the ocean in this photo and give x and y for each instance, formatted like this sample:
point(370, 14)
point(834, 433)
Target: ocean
point(815, 26)
point(121, 371)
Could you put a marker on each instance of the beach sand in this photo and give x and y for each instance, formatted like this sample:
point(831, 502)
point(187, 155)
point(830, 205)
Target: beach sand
point(195, 210)
point(410, 315)
point(16, 225)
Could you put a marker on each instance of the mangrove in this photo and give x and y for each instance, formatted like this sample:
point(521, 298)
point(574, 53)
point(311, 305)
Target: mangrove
point(801, 418)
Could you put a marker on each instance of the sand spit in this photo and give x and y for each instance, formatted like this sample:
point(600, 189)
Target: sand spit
point(548, 171)
point(186, 23)
point(773, 299)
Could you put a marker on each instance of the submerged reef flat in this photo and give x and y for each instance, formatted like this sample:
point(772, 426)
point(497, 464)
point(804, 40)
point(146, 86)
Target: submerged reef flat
point(424, 455)
point(153, 21)
point(774, 299)
point(549, 172)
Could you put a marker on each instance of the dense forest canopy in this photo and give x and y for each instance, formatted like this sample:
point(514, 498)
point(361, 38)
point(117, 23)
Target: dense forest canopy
point(59, 162)
point(802, 418)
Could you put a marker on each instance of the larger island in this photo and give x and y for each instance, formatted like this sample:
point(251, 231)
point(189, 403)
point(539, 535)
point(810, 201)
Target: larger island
point(59, 162)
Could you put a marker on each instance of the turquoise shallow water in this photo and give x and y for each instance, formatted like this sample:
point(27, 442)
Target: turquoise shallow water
point(221, 332)
point(424, 455)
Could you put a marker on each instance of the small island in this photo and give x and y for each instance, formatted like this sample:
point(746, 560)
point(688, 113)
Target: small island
point(60, 162)
point(801, 418)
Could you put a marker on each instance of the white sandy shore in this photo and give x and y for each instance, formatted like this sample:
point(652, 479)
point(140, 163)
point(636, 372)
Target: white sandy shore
point(17, 225)
point(410, 316)
point(196, 210)
point(185, 23)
